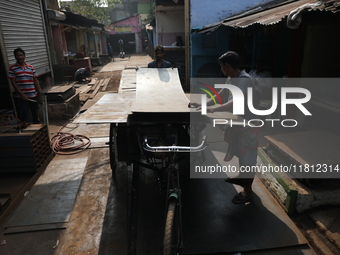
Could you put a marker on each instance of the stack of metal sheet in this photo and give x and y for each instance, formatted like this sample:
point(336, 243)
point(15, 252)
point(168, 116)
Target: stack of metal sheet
point(25, 150)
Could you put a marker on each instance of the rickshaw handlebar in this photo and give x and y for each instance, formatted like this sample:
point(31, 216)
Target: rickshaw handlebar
point(174, 148)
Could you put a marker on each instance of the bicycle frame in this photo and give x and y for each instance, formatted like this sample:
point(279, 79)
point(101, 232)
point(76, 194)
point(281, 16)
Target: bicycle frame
point(173, 182)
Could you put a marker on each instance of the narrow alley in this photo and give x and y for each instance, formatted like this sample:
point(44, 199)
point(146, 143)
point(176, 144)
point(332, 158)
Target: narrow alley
point(78, 205)
point(177, 155)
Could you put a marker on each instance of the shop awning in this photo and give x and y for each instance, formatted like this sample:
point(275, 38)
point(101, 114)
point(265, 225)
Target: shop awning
point(273, 15)
point(55, 15)
point(77, 20)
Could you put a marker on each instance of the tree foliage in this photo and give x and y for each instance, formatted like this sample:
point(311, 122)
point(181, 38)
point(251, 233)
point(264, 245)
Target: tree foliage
point(94, 9)
point(151, 14)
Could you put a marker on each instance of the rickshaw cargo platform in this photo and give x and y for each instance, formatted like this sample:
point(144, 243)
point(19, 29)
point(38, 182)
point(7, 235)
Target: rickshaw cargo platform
point(159, 97)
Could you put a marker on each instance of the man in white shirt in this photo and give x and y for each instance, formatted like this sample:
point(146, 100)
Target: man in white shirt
point(263, 78)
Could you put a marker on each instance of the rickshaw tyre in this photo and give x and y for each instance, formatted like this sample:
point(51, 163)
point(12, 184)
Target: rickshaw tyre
point(171, 230)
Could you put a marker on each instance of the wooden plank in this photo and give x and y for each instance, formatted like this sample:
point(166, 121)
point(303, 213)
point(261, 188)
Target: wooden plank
point(94, 86)
point(159, 90)
point(96, 89)
point(106, 83)
point(101, 82)
point(86, 90)
point(112, 107)
point(93, 81)
point(83, 97)
point(59, 89)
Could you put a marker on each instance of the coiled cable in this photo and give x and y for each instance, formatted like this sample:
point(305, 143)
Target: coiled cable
point(67, 144)
point(64, 143)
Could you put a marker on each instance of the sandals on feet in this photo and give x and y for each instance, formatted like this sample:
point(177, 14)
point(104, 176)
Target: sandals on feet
point(241, 198)
point(235, 181)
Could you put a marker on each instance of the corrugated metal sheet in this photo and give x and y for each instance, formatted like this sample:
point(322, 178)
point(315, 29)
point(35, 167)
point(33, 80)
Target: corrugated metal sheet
point(273, 15)
point(22, 26)
point(268, 17)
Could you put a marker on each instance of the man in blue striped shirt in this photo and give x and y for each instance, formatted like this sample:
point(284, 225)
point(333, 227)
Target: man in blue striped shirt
point(25, 82)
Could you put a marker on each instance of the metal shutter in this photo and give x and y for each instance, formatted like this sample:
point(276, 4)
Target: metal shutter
point(22, 25)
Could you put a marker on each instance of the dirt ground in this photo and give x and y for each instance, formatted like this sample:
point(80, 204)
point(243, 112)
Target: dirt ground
point(115, 76)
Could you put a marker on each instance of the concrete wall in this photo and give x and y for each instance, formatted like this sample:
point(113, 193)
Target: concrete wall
point(132, 26)
point(169, 24)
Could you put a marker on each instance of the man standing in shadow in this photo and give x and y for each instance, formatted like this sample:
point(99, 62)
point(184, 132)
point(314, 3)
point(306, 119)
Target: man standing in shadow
point(159, 62)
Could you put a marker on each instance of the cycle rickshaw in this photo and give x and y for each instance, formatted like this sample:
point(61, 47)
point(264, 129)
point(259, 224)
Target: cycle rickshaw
point(156, 135)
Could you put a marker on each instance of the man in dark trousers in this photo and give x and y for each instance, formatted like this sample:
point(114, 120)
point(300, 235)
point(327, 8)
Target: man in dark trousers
point(159, 62)
point(27, 88)
point(121, 45)
point(110, 50)
point(243, 141)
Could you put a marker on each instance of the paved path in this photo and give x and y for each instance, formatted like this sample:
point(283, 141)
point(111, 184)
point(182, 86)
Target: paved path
point(87, 225)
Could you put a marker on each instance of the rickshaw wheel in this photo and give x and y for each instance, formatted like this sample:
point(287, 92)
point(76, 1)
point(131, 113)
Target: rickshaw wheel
point(171, 236)
point(113, 148)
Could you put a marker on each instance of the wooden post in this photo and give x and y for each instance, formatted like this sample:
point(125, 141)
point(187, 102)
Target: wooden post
point(187, 45)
